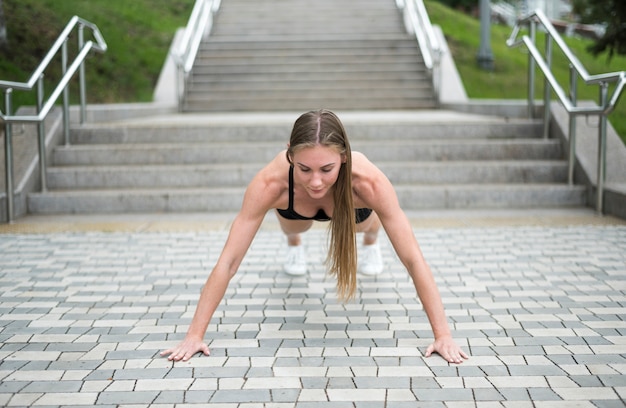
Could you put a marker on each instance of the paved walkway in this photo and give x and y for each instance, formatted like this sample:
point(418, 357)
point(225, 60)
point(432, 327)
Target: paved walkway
point(537, 299)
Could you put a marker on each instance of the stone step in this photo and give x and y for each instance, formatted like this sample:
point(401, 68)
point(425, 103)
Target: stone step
point(229, 199)
point(266, 56)
point(240, 174)
point(308, 43)
point(276, 127)
point(302, 99)
point(252, 85)
point(186, 163)
point(302, 31)
point(280, 103)
point(273, 47)
point(223, 152)
point(271, 87)
point(321, 16)
point(362, 61)
point(302, 66)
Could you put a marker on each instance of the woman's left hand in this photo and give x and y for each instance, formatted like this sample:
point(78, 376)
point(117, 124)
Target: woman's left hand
point(448, 349)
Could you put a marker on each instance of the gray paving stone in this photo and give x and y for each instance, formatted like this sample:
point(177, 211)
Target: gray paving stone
point(241, 396)
point(515, 394)
point(543, 394)
point(220, 372)
point(53, 386)
point(587, 380)
point(314, 382)
point(197, 397)
point(608, 403)
point(386, 383)
point(545, 370)
point(452, 394)
point(97, 307)
point(488, 394)
point(169, 397)
point(127, 397)
point(325, 404)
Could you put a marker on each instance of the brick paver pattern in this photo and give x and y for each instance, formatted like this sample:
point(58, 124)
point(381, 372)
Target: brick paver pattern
point(541, 310)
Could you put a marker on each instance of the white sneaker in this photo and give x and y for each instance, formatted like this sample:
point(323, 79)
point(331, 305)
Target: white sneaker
point(295, 264)
point(370, 260)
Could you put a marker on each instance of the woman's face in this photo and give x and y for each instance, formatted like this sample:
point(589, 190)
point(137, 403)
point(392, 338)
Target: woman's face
point(316, 169)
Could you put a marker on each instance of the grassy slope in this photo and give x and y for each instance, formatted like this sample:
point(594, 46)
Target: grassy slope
point(138, 34)
point(509, 78)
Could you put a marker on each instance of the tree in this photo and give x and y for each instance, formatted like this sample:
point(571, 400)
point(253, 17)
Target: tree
point(611, 13)
point(465, 5)
point(3, 26)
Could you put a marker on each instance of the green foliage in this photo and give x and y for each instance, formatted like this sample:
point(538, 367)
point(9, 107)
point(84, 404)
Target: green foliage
point(609, 12)
point(138, 34)
point(508, 80)
point(466, 5)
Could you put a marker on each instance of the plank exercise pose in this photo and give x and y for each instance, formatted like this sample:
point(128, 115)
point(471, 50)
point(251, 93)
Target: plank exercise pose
point(319, 178)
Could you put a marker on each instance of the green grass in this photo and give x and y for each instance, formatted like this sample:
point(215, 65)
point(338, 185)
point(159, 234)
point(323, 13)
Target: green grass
point(509, 77)
point(139, 33)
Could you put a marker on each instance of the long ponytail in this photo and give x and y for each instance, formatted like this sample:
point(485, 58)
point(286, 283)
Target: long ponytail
point(324, 128)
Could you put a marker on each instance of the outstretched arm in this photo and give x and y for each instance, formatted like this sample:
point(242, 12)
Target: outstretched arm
point(241, 234)
point(377, 192)
point(259, 198)
point(403, 239)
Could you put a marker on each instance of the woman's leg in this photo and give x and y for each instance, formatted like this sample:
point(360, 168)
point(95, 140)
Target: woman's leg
point(295, 261)
point(369, 227)
point(293, 229)
point(370, 261)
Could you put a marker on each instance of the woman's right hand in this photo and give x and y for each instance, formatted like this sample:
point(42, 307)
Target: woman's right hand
point(186, 349)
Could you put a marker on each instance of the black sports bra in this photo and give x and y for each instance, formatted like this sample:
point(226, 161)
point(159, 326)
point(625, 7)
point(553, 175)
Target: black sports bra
point(361, 214)
point(291, 214)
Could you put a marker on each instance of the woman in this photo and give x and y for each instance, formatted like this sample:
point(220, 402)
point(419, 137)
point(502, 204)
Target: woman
point(318, 177)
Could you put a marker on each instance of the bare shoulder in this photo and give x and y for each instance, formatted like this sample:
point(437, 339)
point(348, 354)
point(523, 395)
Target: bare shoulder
point(369, 183)
point(366, 174)
point(270, 184)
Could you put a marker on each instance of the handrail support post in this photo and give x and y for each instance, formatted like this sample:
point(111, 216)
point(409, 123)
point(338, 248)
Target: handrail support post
point(531, 73)
point(41, 136)
point(81, 76)
point(601, 176)
point(571, 162)
point(547, 90)
point(8, 156)
point(66, 96)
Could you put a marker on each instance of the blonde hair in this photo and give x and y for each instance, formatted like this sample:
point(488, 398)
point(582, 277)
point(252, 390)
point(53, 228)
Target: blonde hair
point(324, 128)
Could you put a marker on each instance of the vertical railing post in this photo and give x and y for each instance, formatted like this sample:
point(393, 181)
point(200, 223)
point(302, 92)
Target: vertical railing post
point(531, 73)
point(180, 85)
point(601, 149)
point(437, 74)
point(573, 94)
point(66, 96)
point(81, 76)
point(8, 156)
point(41, 136)
point(547, 90)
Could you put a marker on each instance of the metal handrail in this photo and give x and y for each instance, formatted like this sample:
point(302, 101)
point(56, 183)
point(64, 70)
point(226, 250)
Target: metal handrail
point(605, 106)
point(199, 24)
point(417, 22)
point(44, 108)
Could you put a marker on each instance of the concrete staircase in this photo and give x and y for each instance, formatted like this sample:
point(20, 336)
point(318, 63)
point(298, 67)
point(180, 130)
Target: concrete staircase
point(266, 63)
point(286, 55)
point(200, 163)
